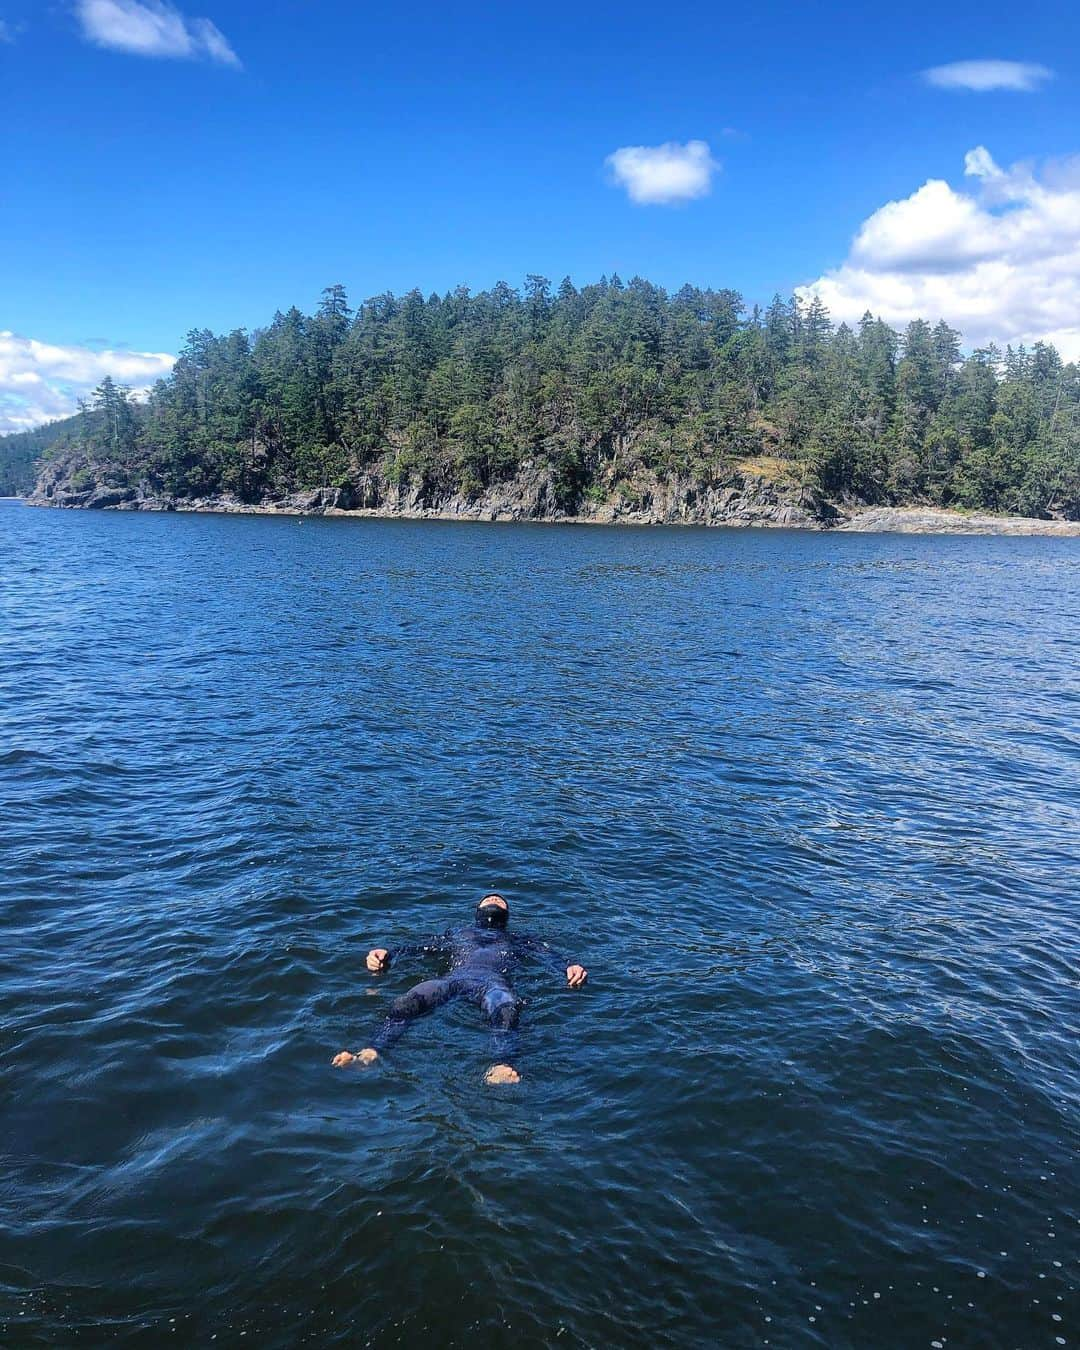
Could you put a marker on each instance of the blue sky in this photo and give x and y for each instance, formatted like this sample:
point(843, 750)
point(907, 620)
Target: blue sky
point(289, 144)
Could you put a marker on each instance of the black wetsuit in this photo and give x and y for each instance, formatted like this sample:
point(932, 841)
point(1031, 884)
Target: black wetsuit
point(481, 961)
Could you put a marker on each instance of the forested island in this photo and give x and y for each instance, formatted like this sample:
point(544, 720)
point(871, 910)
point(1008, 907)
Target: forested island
point(21, 453)
point(615, 401)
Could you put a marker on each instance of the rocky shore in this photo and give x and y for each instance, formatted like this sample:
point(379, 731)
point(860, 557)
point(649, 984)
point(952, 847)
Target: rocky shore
point(745, 498)
point(741, 499)
point(934, 520)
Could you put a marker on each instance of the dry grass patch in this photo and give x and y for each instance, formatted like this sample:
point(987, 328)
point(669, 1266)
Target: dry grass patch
point(767, 467)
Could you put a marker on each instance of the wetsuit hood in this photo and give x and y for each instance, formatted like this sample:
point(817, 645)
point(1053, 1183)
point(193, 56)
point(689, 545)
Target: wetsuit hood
point(491, 916)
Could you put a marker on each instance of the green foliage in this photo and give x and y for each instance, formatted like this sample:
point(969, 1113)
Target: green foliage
point(21, 452)
point(607, 386)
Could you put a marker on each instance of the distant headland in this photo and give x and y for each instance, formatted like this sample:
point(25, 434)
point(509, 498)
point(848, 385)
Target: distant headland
point(613, 403)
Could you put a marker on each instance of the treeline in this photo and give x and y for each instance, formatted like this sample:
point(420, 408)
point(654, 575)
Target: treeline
point(603, 384)
point(21, 450)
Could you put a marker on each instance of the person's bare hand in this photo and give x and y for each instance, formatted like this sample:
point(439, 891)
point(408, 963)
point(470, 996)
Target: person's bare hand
point(576, 976)
point(378, 958)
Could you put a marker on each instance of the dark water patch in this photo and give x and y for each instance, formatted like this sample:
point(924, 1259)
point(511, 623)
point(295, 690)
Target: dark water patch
point(807, 806)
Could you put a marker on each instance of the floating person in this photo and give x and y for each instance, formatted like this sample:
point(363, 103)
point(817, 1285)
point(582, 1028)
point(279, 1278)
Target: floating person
point(482, 958)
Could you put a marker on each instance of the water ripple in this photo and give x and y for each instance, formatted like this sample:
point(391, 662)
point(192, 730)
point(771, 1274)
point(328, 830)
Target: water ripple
point(807, 805)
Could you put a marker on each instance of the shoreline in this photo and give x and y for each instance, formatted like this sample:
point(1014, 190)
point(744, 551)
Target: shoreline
point(939, 520)
point(861, 520)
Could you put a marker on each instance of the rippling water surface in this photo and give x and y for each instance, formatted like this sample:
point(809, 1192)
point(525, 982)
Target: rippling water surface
point(806, 805)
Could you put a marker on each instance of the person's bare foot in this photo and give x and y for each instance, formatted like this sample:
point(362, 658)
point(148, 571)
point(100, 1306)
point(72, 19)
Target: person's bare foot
point(501, 1073)
point(343, 1060)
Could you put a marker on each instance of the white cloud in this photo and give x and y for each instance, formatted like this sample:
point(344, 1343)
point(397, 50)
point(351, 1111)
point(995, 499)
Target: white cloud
point(152, 28)
point(1001, 261)
point(656, 175)
point(40, 381)
point(982, 77)
point(7, 33)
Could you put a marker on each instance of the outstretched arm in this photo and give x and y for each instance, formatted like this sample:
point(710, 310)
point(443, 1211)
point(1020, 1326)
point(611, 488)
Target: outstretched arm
point(535, 950)
point(381, 958)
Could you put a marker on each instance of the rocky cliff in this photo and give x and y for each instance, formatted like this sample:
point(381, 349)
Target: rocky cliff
point(751, 494)
point(741, 498)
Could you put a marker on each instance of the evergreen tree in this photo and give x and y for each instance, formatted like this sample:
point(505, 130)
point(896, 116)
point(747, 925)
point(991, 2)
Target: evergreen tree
point(609, 385)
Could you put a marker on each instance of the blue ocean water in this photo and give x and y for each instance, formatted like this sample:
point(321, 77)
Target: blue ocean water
point(806, 805)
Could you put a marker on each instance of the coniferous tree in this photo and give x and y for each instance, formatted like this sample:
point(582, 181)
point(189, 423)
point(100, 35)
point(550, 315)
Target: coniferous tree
point(607, 386)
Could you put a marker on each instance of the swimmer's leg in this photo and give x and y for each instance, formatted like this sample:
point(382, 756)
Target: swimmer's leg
point(502, 1008)
point(420, 1000)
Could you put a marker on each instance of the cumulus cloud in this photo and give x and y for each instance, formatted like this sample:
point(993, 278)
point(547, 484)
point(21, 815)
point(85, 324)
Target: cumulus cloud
point(40, 381)
point(1000, 260)
point(153, 28)
point(7, 33)
point(982, 77)
point(658, 175)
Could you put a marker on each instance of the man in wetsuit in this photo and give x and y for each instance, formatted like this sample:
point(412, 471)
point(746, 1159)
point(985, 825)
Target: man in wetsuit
point(481, 959)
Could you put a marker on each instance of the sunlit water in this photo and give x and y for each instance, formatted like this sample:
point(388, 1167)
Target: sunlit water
point(805, 804)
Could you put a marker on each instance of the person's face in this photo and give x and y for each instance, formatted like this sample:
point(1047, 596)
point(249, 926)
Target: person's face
point(492, 912)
